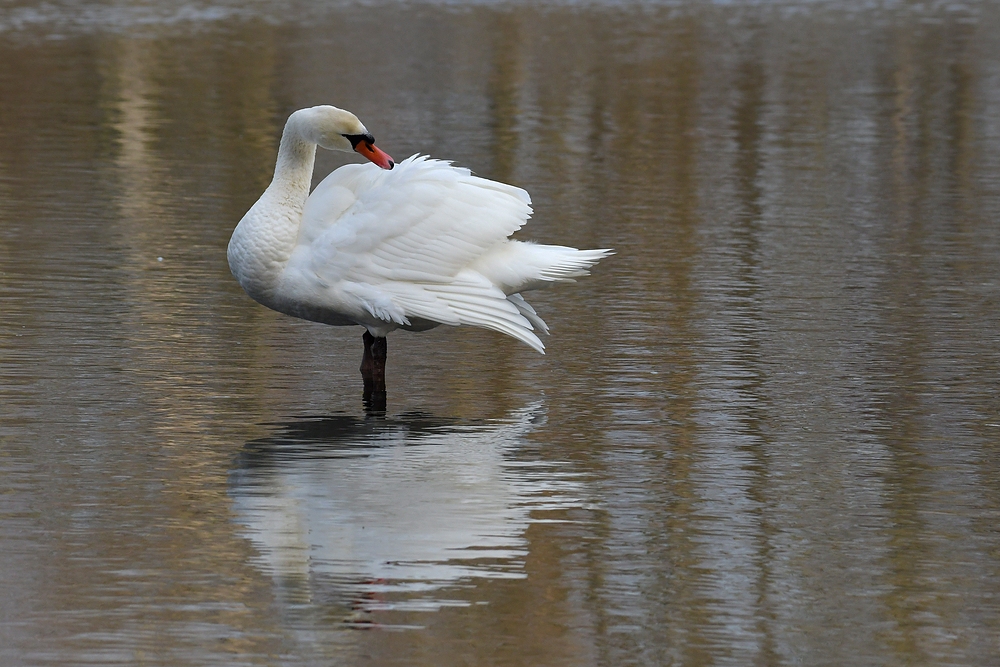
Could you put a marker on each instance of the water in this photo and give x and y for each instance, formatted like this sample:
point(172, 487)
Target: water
point(765, 432)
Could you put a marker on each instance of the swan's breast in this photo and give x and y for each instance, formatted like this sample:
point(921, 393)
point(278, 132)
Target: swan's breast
point(259, 249)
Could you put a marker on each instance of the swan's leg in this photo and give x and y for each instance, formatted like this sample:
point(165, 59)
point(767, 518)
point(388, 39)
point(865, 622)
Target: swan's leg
point(373, 363)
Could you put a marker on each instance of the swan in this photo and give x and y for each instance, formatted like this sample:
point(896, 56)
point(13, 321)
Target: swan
point(392, 246)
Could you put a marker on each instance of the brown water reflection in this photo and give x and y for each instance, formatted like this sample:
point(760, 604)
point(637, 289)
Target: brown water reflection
point(765, 432)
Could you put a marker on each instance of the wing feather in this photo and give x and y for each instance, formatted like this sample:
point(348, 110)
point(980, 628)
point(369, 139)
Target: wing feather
point(400, 243)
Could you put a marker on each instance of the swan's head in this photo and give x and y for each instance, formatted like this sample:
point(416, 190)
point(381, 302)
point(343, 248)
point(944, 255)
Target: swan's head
point(338, 130)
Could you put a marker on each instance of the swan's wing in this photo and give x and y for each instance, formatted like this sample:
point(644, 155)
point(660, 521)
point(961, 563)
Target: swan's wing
point(424, 220)
point(403, 240)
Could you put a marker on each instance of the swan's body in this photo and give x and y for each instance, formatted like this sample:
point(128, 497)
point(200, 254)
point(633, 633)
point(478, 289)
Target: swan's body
point(410, 247)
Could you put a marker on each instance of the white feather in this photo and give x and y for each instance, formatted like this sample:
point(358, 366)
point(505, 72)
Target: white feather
point(424, 242)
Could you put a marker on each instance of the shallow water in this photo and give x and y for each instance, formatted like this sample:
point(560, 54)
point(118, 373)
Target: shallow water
point(766, 431)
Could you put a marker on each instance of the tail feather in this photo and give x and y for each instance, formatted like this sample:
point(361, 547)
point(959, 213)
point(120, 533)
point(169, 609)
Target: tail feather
point(517, 266)
point(570, 263)
point(488, 293)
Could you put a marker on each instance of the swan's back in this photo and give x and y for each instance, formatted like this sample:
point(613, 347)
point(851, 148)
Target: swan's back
point(423, 220)
point(425, 241)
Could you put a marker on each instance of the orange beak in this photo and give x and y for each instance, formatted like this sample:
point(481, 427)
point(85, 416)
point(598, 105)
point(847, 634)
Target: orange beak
point(375, 154)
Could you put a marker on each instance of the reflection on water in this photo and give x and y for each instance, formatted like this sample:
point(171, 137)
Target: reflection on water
point(379, 513)
point(770, 430)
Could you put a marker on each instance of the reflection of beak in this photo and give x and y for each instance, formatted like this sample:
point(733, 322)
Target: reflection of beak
point(375, 154)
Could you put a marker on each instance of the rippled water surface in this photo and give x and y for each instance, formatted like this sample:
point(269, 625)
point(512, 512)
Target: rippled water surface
point(766, 431)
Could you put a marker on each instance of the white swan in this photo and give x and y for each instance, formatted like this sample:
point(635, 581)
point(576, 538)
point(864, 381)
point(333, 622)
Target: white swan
point(407, 246)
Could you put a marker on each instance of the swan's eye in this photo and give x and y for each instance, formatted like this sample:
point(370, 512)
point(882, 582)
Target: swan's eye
point(356, 139)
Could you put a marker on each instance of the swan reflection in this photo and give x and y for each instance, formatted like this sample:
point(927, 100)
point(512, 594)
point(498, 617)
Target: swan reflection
point(379, 512)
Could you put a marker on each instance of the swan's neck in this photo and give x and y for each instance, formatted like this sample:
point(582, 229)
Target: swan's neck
point(267, 234)
point(293, 172)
